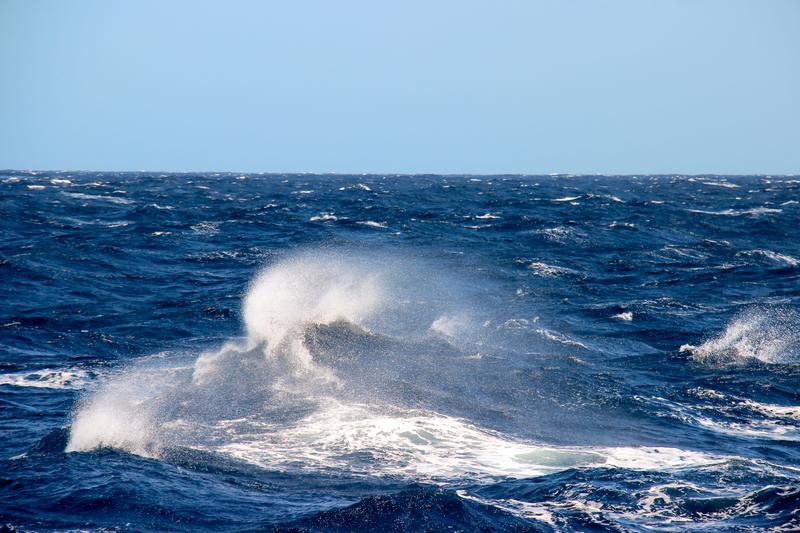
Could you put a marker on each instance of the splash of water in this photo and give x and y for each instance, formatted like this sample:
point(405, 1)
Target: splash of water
point(770, 335)
point(270, 376)
point(309, 289)
point(284, 300)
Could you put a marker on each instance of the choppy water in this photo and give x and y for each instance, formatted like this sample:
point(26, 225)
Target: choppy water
point(336, 353)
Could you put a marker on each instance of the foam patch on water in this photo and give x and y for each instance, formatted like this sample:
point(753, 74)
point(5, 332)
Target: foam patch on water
point(430, 446)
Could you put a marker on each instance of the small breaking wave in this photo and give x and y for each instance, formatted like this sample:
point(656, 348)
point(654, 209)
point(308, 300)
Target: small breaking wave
point(766, 335)
point(98, 197)
point(47, 378)
point(732, 415)
point(774, 258)
point(548, 271)
point(372, 224)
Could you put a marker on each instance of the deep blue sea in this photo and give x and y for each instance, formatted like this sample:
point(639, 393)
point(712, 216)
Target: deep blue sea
point(242, 352)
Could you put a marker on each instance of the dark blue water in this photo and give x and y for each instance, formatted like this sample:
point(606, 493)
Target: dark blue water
point(223, 352)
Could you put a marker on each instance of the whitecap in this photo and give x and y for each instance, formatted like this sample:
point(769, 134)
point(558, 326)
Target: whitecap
point(558, 233)
point(322, 217)
point(514, 323)
point(560, 338)
point(734, 416)
point(725, 184)
point(206, 228)
point(548, 271)
point(70, 378)
point(98, 197)
point(756, 211)
point(775, 257)
point(372, 224)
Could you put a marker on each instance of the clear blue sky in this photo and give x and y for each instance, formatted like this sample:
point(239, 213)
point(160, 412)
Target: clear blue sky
point(627, 86)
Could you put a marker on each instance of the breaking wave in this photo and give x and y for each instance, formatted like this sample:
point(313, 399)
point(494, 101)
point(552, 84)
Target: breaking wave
point(769, 335)
point(317, 385)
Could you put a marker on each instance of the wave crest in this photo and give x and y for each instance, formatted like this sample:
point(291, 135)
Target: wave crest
point(308, 320)
point(310, 290)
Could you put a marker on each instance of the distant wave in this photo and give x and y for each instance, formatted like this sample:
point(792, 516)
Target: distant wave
point(755, 211)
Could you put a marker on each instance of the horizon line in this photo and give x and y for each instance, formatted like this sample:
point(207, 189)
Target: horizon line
point(399, 174)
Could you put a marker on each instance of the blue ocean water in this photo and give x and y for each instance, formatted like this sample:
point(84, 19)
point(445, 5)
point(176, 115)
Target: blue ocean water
point(225, 352)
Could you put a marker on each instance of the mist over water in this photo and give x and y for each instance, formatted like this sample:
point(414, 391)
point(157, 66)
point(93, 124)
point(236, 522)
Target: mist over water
point(336, 353)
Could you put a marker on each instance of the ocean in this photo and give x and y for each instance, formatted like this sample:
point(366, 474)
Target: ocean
point(297, 352)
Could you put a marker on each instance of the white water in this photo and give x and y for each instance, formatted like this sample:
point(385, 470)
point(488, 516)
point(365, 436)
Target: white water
point(429, 446)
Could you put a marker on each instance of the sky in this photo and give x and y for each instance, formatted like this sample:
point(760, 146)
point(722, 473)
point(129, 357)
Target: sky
point(532, 87)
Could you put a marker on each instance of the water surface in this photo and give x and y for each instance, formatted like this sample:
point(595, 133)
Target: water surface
point(534, 353)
